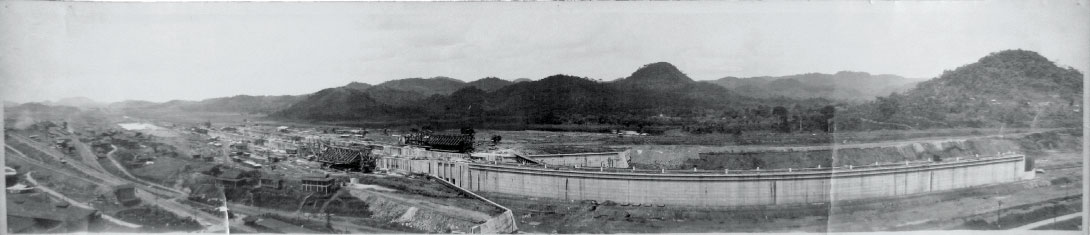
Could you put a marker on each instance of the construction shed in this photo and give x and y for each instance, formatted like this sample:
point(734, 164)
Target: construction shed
point(348, 158)
point(462, 143)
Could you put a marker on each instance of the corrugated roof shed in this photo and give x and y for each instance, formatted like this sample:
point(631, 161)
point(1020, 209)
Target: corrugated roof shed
point(341, 155)
point(449, 140)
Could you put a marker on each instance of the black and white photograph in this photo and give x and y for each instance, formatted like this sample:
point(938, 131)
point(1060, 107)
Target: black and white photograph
point(542, 117)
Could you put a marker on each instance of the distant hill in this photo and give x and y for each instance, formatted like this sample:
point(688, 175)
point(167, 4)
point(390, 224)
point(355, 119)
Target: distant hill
point(26, 114)
point(427, 87)
point(393, 96)
point(79, 102)
point(656, 76)
point(234, 104)
point(341, 103)
point(243, 103)
point(1008, 88)
point(843, 86)
point(658, 89)
point(358, 86)
point(490, 83)
point(1012, 88)
point(131, 104)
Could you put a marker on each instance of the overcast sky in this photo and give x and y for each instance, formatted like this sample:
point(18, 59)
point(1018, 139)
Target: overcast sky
point(164, 51)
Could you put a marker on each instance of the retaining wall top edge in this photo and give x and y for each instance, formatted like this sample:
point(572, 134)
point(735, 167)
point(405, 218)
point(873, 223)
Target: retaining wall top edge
point(571, 154)
point(770, 173)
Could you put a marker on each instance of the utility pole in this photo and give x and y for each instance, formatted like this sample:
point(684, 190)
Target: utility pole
point(999, 212)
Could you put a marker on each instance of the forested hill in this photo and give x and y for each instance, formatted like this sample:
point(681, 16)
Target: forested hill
point(654, 95)
point(841, 86)
point(1013, 88)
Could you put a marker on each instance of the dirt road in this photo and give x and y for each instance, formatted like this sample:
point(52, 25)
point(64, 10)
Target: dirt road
point(19, 156)
point(86, 154)
point(125, 171)
point(56, 194)
point(81, 166)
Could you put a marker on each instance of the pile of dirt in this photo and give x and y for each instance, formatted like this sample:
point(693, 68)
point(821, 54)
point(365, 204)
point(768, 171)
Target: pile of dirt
point(1064, 140)
point(408, 215)
point(540, 215)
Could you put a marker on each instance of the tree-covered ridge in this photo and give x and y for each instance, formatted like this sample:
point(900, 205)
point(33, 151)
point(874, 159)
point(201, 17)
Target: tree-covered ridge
point(427, 87)
point(657, 95)
point(489, 83)
point(1013, 88)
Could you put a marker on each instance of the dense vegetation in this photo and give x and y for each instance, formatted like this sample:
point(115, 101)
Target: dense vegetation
point(1013, 88)
point(655, 98)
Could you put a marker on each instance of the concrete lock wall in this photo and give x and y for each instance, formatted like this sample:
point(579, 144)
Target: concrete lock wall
point(607, 159)
point(737, 189)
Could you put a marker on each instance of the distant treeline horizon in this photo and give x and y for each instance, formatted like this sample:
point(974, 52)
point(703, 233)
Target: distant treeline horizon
point(1012, 88)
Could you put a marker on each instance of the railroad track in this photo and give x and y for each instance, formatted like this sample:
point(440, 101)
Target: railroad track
point(86, 154)
point(105, 176)
point(149, 194)
point(22, 157)
point(1061, 167)
point(80, 166)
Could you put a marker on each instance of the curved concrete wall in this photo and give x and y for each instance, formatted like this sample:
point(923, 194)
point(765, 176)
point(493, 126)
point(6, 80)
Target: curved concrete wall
point(719, 189)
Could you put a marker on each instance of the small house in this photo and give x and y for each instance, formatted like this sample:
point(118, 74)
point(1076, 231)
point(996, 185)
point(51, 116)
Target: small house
point(126, 194)
point(319, 183)
point(272, 181)
point(231, 178)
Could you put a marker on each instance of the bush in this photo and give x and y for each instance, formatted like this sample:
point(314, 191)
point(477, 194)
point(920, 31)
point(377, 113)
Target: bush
point(1061, 180)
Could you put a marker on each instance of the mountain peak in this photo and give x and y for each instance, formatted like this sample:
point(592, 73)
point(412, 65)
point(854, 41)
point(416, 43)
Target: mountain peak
point(1016, 56)
point(660, 71)
point(1012, 73)
point(358, 85)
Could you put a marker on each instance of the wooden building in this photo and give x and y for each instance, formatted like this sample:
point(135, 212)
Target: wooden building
point(322, 184)
point(353, 158)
